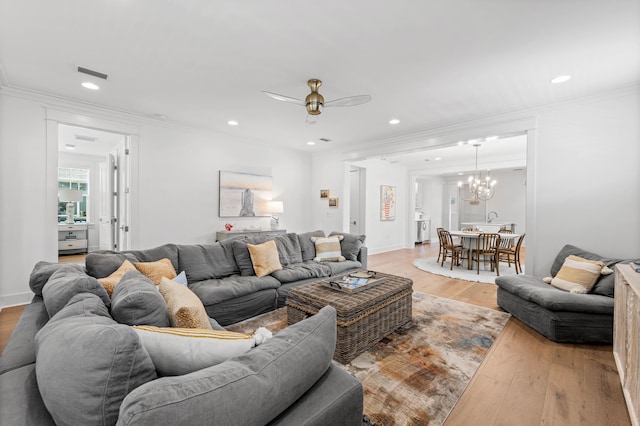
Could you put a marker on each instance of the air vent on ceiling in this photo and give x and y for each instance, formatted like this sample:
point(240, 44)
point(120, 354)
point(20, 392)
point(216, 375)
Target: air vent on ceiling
point(92, 72)
point(325, 140)
point(85, 138)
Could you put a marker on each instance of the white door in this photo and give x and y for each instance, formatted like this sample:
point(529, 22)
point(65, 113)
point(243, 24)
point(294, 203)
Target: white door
point(107, 216)
point(357, 197)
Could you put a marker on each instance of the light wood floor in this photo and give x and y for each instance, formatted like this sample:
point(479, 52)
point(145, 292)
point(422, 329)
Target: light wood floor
point(525, 378)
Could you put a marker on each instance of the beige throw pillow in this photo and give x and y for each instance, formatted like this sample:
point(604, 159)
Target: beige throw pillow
point(578, 275)
point(328, 249)
point(109, 283)
point(264, 258)
point(155, 271)
point(184, 307)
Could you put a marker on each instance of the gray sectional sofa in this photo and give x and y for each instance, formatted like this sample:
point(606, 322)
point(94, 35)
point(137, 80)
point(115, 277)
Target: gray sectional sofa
point(559, 315)
point(69, 361)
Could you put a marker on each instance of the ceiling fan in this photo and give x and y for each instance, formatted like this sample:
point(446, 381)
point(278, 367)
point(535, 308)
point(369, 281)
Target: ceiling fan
point(314, 102)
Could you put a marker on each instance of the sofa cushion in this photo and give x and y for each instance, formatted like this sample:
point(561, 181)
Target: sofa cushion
point(176, 351)
point(338, 268)
point(20, 400)
point(184, 307)
point(605, 285)
point(220, 290)
point(165, 251)
point(264, 258)
point(328, 249)
point(251, 389)
point(302, 271)
point(109, 283)
point(207, 261)
point(42, 271)
point(350, 244)
point(87, 363)
point(289, 250)
point(535, 290)
point(136, 301)
point(308, 247)
point(242, 256)
point(66, 283)
point(101, 264)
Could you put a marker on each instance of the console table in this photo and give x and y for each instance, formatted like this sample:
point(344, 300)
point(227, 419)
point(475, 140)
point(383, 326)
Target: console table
point(626, 333)
point(247, 233)
point(73, 238)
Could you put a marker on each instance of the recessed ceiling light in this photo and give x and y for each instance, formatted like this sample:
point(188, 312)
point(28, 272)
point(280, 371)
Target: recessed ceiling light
point(491, 138)
point(460, 174)
point(69, 146)
point(560, 79)
point(394, 121)
point(232, 123)
point(461, 143)
point(311, 143)
point(438, 158)
point(91, 86)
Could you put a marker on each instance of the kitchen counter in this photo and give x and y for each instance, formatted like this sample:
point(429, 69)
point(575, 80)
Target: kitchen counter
point(490, 227)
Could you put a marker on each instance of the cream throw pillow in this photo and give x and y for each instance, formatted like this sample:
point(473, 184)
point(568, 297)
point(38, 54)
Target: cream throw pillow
point(177, 351)
point(264, 258)
point(184, 307)
point(578, 275)
point(328, 249)
point(156, 270)
point(109, 283)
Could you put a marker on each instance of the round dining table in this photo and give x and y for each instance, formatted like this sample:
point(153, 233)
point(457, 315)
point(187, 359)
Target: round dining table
point(468, 239)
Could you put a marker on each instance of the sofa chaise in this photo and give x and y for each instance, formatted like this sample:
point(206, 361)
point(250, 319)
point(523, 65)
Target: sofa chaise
point(560, 315)
point(70, 361)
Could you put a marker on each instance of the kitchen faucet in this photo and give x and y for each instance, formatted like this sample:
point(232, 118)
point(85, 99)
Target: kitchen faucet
point(489, 218)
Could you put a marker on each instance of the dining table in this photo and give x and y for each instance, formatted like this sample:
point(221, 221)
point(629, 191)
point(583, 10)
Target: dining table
point(468, 239)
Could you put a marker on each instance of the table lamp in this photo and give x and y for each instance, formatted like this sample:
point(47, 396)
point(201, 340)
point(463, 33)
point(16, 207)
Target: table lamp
point(275, 207)
point(70, 196)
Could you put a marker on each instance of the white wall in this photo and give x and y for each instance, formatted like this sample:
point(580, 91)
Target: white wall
point(177, 200)
point(510, 199)
point(432, 203)
point(331, 172)
point(588, 178)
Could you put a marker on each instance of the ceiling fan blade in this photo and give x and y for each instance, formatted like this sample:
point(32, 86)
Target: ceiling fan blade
point(348, 101)
point(311, 119)
point(284, 98)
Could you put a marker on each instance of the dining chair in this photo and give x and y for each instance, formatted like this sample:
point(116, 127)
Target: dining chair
point(512, 253)
point(487, 247)
point(506, 243)
point(455, 251)
point(441, 248)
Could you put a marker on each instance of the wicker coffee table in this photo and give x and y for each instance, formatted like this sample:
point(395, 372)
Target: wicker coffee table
point(363, 319)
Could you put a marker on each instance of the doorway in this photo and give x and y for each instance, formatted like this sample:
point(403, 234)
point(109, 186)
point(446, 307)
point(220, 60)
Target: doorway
point(105, 158)
point(357, 206)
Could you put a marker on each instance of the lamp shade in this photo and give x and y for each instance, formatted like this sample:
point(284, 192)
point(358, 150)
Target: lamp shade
point(274, 207)
point(70, 195)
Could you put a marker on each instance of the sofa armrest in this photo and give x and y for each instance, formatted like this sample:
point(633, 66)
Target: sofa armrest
point(362, 256)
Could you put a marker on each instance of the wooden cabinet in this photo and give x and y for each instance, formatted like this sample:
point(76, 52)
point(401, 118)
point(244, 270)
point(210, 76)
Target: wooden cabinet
point(247, 233)
point(73, 238)
point(626, 337)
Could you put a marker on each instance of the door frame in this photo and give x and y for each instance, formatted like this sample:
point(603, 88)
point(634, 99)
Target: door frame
point(53, 119)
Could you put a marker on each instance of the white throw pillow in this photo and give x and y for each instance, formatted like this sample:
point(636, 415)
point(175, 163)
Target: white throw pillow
point(328, 249)
point(177, 351)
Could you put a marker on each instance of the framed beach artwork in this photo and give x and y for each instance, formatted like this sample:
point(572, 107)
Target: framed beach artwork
point(244, 194)
point(387, 202)
point(333, 202)
point(324, 194)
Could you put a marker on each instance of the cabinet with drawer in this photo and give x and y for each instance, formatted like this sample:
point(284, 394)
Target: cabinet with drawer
point(246, 233)
point(73, 238)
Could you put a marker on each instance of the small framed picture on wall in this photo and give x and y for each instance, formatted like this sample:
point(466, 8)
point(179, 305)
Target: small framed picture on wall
point(324, 194)
point(333, 202)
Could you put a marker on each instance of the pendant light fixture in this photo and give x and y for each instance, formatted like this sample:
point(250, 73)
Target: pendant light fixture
point(477, 188)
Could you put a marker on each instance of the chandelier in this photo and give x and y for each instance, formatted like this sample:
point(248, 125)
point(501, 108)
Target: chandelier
point(477, 188)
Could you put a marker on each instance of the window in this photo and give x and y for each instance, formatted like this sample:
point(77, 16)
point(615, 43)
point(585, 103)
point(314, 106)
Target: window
point(70, 178)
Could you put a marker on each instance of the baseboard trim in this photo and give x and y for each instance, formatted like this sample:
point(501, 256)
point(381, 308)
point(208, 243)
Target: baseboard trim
point(15, 299)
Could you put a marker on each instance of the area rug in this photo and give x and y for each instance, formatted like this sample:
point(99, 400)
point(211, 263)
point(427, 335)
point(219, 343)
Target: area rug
point(461, 272)
point(416, 375)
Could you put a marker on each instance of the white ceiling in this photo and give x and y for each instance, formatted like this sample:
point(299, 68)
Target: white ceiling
point(426, 63)
point(87, 141)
